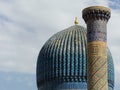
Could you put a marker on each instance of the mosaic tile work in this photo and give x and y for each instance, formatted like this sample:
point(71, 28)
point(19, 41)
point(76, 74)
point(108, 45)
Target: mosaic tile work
point(63, 59)
point(96, 31)
point(96, 18)
point(55, 85)
point(97, 71)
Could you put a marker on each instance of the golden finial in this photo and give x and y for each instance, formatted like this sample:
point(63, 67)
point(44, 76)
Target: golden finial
point(76, 21)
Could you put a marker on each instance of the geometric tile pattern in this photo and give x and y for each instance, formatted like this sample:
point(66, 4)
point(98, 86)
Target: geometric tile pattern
point(63, 60)
point(97, 66)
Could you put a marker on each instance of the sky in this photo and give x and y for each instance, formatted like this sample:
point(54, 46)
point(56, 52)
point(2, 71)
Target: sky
point(25, 25)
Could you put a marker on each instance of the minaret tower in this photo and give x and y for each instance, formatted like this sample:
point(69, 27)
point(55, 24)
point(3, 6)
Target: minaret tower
point(96, 18)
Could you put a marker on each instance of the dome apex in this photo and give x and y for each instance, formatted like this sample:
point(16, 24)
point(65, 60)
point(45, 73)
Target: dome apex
point(76, 21)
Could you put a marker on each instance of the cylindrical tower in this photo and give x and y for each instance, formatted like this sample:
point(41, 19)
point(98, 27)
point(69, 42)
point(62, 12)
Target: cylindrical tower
point(96, 18)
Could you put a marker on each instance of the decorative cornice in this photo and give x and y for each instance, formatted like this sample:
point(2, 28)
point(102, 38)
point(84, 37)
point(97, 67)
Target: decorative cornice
point(96, 13)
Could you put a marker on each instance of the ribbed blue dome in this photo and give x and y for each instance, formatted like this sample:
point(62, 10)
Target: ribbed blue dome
point(62, 61)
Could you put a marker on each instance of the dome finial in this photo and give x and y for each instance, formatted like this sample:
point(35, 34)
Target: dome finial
point(76, 21)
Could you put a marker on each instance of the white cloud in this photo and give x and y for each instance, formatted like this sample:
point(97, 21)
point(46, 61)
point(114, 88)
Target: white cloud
point(26, 25)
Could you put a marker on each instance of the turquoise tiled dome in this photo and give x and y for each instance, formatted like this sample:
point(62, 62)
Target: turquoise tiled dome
point(62, 61)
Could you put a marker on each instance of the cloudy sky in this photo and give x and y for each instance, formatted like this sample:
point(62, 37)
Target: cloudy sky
point(25, 25)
